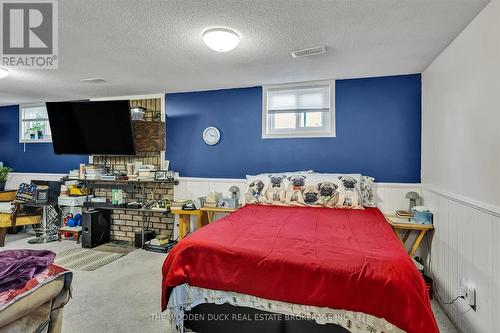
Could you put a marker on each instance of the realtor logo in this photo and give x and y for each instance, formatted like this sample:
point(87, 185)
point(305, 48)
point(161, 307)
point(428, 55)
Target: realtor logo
point(29, 34)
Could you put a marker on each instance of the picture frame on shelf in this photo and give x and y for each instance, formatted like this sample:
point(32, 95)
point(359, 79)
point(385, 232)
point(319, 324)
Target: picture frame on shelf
point(161, 175)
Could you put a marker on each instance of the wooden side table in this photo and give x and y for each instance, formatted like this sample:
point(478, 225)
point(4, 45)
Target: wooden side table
point(403, 224)
point(211, 211)
point(76, 231)
point(185, 220)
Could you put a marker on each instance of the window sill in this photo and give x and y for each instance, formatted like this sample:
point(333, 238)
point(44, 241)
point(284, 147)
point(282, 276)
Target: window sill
point(35, 141)
point(298, 135)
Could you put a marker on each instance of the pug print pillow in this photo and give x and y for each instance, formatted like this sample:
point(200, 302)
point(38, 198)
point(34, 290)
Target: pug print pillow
point(254, 193)
point(324, 190)
point(304, 189)
point(270, 188)
point(367, 191)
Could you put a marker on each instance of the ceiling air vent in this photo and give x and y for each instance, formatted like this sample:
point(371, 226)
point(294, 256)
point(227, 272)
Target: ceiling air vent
point(312, 51)
point(93, 80)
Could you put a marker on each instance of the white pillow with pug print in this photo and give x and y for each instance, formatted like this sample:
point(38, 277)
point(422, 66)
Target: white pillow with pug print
point(367, 191)
point(269, 188)
point(324, 190)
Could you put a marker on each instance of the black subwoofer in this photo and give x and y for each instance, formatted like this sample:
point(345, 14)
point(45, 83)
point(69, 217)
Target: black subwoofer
point(95, 228)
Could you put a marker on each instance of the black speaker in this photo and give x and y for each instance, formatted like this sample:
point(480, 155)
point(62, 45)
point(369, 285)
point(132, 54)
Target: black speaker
point(148, 235)
point(95, 228)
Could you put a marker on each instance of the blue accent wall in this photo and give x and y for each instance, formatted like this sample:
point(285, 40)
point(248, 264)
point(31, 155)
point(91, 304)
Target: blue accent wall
point(39, 157)
point(378, 125)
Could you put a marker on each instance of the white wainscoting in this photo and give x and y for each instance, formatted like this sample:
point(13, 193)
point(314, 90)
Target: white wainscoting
point(389, 196)
point(466, 245)
point(16, 178)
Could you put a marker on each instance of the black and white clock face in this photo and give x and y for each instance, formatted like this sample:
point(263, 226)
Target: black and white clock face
point(211, 135)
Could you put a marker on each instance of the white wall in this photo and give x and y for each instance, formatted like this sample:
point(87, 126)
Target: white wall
point(461, 112)
point(461, 169)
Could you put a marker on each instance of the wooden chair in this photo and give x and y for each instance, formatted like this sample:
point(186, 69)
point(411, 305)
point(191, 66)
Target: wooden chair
point(17, 217)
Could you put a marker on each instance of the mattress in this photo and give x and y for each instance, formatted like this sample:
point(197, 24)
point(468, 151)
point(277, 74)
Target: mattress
point(333, 258)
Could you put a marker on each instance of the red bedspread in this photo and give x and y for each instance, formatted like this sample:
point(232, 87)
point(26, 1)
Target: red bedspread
point(336, 258)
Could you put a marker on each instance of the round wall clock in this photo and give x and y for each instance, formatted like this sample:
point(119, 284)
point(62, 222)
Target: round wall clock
point(211, 135)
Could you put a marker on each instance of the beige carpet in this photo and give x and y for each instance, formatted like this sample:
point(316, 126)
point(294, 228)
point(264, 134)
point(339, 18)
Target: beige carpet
point(115, 248)
point(85, 259)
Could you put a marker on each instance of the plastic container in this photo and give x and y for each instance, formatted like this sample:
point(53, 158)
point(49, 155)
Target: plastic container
point(421, 215)
point(137, 113)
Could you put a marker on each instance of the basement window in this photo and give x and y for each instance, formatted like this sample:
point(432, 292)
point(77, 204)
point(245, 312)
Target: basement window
point(301, 110)
point(34, 124)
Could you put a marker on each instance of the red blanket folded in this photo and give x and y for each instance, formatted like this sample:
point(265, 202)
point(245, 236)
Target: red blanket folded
point(336, 258)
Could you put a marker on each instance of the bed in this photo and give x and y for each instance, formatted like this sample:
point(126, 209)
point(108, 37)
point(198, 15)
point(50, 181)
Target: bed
point(342, 267)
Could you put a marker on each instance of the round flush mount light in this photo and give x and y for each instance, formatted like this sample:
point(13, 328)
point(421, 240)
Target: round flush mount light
point(3, 73)
point(221, 39)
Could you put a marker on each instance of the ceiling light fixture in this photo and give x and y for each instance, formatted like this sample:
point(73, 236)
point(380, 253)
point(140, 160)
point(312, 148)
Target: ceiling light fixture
point(221, 39)
point(3, 73)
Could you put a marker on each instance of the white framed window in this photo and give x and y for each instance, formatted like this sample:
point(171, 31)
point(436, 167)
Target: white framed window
point(299, 110)
point(34, 124)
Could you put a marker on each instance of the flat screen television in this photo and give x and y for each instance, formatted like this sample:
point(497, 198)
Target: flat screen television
point(91, 128)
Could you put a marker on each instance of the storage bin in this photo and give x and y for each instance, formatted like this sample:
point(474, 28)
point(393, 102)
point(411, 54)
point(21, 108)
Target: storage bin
point(137, 113)
point(423, 217)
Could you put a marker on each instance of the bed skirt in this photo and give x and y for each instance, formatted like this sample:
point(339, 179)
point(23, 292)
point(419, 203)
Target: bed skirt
point(185, 297)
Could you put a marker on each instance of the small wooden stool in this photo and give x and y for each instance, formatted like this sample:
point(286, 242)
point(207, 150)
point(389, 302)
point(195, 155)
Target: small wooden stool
point(75, 231)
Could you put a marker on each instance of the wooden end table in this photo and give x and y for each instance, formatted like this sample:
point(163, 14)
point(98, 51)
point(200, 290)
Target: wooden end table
point(75, 231)
point(185, 219)
point(211, 211)
point(398, 223)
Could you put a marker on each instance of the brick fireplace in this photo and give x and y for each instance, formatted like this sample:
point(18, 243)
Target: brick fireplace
point(125, 223)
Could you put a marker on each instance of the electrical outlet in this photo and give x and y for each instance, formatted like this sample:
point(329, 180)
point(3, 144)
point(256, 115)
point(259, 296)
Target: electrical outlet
point(470, 296)
point(468, 291)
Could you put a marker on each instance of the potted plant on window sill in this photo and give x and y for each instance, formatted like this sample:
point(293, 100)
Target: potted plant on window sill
point(4, 172)
point(36, 131)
